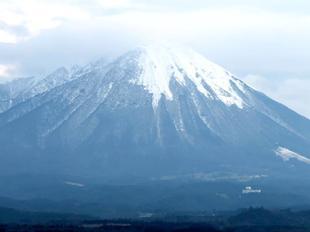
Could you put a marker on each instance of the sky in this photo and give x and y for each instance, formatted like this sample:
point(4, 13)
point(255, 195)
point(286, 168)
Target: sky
point(263, 42)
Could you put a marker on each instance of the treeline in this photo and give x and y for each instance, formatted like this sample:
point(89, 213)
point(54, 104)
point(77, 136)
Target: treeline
point(246, 220)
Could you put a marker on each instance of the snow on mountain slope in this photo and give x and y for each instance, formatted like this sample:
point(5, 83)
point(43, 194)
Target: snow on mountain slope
point(160, 64)
point(22, 89)
point(287, 154)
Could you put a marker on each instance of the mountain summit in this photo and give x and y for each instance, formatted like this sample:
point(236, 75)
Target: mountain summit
point(160, 65)
point(152, 112)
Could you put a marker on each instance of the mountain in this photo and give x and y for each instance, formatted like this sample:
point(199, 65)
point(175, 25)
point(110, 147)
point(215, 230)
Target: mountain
point(21, 89)
point(154, 112)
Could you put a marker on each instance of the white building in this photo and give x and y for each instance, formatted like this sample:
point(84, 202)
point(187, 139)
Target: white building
point(249, 189)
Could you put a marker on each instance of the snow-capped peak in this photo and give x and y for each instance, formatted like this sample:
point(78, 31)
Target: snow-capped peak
point(159, 64)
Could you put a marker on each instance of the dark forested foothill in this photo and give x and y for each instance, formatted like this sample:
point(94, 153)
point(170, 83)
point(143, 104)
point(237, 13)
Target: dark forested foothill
point(246, 220)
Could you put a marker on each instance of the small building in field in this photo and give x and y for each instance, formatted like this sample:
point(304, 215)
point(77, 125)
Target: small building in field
point(249, 189)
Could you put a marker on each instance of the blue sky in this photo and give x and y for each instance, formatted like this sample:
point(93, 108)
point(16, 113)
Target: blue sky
point(265, 43)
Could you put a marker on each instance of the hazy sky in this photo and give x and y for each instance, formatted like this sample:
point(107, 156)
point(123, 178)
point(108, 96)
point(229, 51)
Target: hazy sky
point(264, 42)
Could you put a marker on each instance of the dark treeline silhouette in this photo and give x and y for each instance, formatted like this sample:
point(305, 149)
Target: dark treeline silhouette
point(245, 220)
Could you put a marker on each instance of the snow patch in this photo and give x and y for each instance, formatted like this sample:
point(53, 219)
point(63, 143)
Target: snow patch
point(74, 184)
point(287, 154)
point(159, 65)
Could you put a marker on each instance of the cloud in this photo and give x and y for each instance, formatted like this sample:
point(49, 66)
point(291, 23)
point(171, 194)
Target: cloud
point(292, 92)
point(213, 21)
point(116, 4)
point(7, 37)
point(242, 38)
point(5, 72)
point(33, 16)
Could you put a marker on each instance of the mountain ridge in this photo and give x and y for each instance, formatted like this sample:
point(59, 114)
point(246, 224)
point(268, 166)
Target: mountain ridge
point(160, 106)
